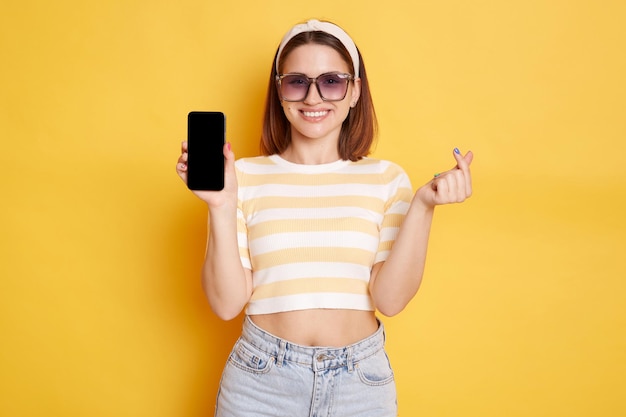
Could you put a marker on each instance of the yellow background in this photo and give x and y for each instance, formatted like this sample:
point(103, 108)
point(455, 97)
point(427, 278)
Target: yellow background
point(523, 308)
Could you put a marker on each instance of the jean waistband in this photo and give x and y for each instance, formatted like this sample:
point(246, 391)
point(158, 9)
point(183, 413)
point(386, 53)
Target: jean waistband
point(317, 357)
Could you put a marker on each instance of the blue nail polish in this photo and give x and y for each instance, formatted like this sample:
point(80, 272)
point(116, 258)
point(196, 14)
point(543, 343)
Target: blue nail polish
point(456, 150)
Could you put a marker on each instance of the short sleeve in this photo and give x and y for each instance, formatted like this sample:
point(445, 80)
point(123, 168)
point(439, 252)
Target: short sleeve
point(399, 195)
point(242, 226)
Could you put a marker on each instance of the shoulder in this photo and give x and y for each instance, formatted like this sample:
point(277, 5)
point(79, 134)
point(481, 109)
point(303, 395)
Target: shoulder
point(389, 170)
point(254, 163)
point(393, 179)
point(381, 164)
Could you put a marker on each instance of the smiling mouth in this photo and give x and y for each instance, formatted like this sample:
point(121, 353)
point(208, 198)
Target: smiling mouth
point(315, 113)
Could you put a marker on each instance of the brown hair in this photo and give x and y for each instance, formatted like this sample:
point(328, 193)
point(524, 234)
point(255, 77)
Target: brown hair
point(358, 130)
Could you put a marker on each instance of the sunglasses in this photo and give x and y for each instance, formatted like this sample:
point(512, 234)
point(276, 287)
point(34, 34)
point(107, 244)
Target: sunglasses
point(331, 86)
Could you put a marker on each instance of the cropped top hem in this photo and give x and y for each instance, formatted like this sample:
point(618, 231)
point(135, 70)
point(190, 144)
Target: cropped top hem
point(302, 302)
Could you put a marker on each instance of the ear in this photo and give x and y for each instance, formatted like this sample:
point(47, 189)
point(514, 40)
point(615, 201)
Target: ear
point(356, 92)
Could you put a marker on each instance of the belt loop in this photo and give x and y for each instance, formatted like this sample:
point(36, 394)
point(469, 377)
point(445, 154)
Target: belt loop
point(281, 352)
point(350, 360)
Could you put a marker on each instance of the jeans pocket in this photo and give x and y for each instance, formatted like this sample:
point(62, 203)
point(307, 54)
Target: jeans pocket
point(375, 370)
point(248, 358)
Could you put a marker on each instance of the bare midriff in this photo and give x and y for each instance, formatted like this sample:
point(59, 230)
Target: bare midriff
point(319, 327)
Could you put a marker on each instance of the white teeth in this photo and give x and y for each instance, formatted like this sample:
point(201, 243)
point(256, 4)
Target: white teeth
point(315, 113)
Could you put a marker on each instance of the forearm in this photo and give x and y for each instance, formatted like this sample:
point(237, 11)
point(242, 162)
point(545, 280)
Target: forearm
point(226, 282)
point(396, 281)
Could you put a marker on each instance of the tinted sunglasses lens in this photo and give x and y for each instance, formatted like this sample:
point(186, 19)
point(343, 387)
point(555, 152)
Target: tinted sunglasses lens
point(333, 87)
point(294, 87)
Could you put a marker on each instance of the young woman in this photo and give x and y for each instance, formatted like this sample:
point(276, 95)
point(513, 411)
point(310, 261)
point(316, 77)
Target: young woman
point(313, 238)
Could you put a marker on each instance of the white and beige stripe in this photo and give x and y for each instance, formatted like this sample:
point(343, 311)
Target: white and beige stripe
point(311, 233)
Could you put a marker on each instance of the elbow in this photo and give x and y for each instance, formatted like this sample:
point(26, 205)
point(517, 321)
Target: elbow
point(391, 310)
point(391, 293)
point(226, 304)
point(226, 307)
point(390, 306)
point(226, 313)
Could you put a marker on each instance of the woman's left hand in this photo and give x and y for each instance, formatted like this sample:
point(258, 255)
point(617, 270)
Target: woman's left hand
point(453, 186)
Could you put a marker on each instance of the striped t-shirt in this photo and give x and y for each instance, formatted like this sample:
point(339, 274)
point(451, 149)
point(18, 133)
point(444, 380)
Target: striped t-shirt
point(311, 233)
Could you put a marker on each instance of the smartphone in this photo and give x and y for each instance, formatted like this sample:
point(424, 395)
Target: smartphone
point(206, 133)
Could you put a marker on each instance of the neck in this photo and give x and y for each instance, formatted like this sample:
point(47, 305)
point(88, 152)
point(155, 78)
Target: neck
point(311, 154)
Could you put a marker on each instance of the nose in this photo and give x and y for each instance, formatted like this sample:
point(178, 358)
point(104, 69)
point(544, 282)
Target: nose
point(313, 95)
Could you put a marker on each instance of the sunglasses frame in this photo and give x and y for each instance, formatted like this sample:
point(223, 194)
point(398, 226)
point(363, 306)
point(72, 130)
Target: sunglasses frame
point(344, 76)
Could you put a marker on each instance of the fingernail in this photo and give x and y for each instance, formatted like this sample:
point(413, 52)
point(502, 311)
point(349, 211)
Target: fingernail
point(228, 146)
point(456, 151)
point(436, 175)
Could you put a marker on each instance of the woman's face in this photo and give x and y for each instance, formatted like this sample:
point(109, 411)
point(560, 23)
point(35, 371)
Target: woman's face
point(314, 118)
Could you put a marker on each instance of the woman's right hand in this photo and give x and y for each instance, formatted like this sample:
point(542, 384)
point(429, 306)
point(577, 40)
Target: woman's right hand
point(215, 199)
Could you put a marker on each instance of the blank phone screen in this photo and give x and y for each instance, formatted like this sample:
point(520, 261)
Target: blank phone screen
point(205, 141)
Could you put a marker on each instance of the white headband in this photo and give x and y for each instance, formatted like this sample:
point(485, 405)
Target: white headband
point(331, 29)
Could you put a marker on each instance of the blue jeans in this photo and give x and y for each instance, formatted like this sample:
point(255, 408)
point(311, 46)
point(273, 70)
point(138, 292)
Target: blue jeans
point(266, 376)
